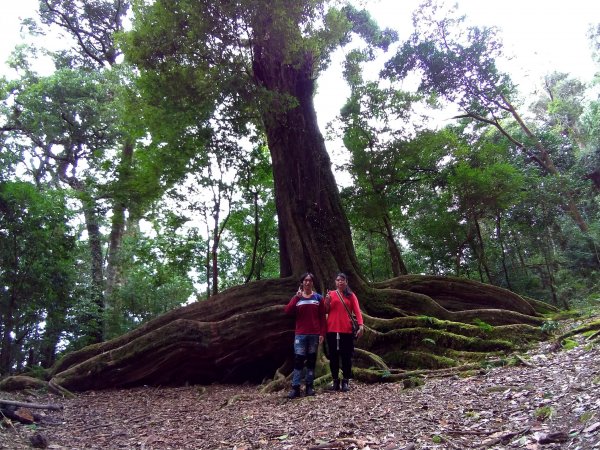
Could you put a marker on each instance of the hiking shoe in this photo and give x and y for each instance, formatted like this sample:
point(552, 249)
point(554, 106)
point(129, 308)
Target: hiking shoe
point(295, 392)
point(345, 386)
point(335, 386)
point(310, 390)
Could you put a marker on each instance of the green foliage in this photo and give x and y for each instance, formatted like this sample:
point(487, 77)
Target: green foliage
point(549, 326)
point(543, 413)
point(457, 61)
point(36, 372)
point(145, 296)
point(473, 415)
point(483, 326)
point(413, 382)
point(586, 416)
point(252, 246)
point(569, 344)
point(37, 259)
point(427, 319)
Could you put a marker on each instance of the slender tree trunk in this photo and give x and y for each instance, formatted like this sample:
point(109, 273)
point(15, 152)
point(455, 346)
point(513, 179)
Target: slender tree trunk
point(503, 251)
point(48, 347)
point(256, 237)
point(398, 266)
point(97, 269)
point(115, 241)
point(370, 247)
point(458, 259)
point(481, 252)
point(208, 266)
point(218, 232)
point(551, 283)
point(7, 340)
point(214, 263)
point(519, 252)
point(92, 224)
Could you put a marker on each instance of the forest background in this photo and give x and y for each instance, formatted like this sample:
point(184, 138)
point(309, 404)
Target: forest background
point(114, 209)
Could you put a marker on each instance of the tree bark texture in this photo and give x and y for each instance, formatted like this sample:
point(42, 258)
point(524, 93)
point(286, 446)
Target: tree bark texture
point(398, 266)
point(97, 264)
point(314, 232)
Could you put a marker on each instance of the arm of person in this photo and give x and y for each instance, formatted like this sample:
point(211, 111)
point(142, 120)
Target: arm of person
point(291, 306)
point(356, 309)
point(323, 308)
point(358, 314)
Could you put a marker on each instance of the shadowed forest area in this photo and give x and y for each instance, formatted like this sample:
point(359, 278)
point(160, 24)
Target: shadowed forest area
point(162, 190)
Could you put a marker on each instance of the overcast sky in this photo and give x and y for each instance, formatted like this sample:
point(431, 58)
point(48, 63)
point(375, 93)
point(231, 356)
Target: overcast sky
point(543, 35)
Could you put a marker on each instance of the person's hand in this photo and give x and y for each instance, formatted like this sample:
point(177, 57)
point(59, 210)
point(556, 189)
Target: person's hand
point(327, 303)
point(321, 339)
point(361, 330)
point(299, 293)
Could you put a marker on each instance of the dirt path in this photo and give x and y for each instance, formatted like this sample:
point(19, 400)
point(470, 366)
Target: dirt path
point(553, 404)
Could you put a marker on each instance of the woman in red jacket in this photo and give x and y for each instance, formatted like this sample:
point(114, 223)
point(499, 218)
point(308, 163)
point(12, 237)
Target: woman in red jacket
point(340, 341)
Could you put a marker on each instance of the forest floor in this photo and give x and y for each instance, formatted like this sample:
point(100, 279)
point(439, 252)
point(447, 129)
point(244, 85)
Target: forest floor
point(553, 402)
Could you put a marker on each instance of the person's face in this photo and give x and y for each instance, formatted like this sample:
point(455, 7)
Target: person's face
point(341, 283)
point(307, 282)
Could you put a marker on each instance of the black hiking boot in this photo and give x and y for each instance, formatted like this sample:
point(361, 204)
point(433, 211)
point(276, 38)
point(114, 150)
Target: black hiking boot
point(345, 386)
point(310, 391)
point(295, 392)
point(335, 386)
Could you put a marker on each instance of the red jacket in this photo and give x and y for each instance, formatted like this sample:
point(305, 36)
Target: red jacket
point(338, 320)
point(310, 314)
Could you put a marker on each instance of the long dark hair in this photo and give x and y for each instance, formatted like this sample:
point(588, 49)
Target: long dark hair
point(307, 274)
point(347, 291)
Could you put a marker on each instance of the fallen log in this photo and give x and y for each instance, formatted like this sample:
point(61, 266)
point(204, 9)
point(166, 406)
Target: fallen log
point(17, 413)
point(30, 405)
point(21, 411)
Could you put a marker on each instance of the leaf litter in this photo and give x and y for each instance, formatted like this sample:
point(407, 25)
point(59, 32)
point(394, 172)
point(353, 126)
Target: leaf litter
point(551, 403)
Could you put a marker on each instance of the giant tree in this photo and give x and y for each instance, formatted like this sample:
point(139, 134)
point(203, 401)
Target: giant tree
point(259, 61)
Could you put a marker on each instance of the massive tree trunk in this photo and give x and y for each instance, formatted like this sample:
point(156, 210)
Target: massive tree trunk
point(238, 335)
point(314, 233)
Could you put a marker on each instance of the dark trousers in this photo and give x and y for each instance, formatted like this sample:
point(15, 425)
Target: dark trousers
point(340, 349)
